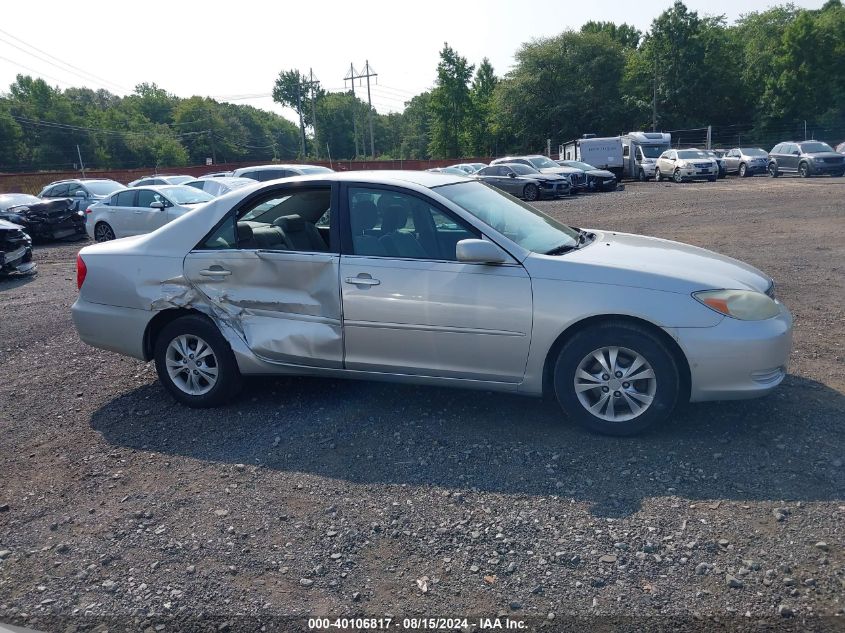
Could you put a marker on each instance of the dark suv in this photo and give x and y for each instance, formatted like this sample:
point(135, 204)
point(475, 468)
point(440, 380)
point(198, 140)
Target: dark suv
point(806, 158)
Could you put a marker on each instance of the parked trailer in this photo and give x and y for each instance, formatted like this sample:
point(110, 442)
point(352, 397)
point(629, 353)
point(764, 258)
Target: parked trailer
point(640, 151)
point(600, 152)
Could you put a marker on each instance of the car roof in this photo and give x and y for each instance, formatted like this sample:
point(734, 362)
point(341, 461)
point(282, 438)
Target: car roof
point(58, 182)
point(226, 180)
point(275, 166)
point(427, 179)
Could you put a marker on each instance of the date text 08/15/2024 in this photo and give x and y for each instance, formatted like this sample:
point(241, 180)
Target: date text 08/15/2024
point(416, 624)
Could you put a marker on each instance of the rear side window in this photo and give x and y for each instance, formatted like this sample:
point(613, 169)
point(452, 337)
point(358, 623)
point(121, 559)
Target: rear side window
point(125, 199)
point(271, 174)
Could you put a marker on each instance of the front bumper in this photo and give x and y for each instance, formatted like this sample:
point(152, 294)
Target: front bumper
point(694, 174)
point(18, 261)
point(736, 359)
point(826, 168)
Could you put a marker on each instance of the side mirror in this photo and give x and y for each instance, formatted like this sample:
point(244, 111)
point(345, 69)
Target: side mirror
point(511, 175)
point(796, 153)
point(79, 193)
point(157, 205)
point(479, 252)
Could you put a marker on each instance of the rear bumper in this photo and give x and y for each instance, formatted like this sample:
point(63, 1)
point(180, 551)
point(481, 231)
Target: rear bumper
point(113, 328)
point(737, 359)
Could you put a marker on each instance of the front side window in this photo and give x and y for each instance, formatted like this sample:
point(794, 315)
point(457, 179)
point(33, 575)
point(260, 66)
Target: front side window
point(394, 224)
point(59, 191)
point(147, 196)
point(518, 221)
point(280, 221)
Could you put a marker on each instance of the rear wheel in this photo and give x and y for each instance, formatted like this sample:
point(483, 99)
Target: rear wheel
point(804, 170)
point(773, 170)
point(677, 176)
point(616, 378)
point(103, 232)
point(743, 170)
point(657, 176)
point(195, 363)
point(530, 193)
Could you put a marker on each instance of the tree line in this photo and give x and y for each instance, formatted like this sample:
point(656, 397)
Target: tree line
point(761, 79)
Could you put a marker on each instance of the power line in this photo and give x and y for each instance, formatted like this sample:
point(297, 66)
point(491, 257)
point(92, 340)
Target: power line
point(365, 74)
point(69, 65)
point(37, 72)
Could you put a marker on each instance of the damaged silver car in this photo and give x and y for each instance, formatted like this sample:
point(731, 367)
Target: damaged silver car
point(432, 279)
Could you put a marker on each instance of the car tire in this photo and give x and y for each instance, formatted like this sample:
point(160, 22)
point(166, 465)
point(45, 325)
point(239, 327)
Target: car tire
point(530, 192)
point(657, 176)
point(656, 394)
point(676, 176)
point(839, 174)
point(711, 179)
point(103, 232)
point(743, 170)
point(773, 170)
point(214, 379)
point(804, 170)
point(641, 175)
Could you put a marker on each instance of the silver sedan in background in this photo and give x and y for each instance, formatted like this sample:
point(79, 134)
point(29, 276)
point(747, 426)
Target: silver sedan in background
point(432, 279)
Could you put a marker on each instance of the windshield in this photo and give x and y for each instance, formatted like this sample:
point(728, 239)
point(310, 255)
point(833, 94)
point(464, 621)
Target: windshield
point(512, 218)
point(314, 170)
point(522, 170)
point(103, 187)
point(753, 151)
point(692, 153)
point(577, 164)
point(541, 162)
point(653, 151)
point(181, 194)
point(816, 146)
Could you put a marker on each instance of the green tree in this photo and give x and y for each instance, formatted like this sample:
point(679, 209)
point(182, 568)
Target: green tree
point(480, 138)
point(416, 128)
point(450, 104)
point(624, 34)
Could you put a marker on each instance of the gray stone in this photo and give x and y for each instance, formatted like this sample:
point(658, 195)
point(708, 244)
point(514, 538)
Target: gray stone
point(306, 582)
point(733, 582)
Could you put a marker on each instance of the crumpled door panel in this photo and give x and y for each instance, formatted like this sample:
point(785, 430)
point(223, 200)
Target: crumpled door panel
point(285, 305)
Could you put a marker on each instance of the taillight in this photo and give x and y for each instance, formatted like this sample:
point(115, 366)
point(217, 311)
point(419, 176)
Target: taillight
point(88, 210)
point(81, 271)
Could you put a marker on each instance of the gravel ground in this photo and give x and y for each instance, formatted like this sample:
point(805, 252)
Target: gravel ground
point(321, 498)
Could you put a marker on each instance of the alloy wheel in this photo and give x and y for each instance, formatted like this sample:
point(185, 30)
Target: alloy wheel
point(103, 232)
point(615, 384)
point(191, 364)
point(677, 176)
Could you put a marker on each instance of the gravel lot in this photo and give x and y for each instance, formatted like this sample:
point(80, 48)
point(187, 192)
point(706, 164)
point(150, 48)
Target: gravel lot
point(337, 498)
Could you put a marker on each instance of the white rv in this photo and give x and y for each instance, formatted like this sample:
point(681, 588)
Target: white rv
point(601, 153)
point(640, 151)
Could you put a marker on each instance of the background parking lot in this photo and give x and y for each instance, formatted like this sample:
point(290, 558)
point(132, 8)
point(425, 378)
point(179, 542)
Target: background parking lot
point(313, 497)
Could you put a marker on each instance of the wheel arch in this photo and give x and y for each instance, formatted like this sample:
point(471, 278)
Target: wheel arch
point(158, 323)
point(579, 326)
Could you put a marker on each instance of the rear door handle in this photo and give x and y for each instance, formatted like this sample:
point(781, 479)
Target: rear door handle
point(362, 281)
point(215, 272)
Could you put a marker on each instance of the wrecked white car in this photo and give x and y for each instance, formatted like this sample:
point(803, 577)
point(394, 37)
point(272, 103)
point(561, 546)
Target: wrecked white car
point(432, 279)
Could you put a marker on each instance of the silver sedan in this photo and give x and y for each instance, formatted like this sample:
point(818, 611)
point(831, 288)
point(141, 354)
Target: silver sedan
point(432, 279)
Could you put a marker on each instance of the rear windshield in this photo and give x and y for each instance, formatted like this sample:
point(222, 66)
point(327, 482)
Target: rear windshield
point(315, 170)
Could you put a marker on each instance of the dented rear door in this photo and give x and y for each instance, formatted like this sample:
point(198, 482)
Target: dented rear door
point(284, 304)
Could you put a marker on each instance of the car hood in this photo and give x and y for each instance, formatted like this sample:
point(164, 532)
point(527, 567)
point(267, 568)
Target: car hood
point(601, 173)
point(560, 170)
point(824, 155)
point(648, 262)
point(5, 225)
point(544, 176)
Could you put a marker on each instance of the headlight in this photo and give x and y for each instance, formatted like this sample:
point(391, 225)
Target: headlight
point(745, 305)
point(681, 163)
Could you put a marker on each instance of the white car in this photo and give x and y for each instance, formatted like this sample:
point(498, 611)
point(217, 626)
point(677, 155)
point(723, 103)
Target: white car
point(160, 180)
point(217, 186)
point(140, 210)
point(686, 164)
point(263, 173)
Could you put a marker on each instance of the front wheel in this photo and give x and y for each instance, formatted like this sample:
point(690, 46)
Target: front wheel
point(839, 174)
point(195, 363)
point(530, 193)
point(616, 378)
point(641, 175)
point(657, 176)
point(804, 170)
point(711, 179)
point(743, 171)
point(678, 178)
point(773, 170)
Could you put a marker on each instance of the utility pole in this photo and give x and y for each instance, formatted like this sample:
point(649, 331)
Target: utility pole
point(81, 164)
point(301, 124)
point(654, 99)
point(367, 73)
point(351, 78)
point(213, 153)
point(313, 111)
point(709, 135)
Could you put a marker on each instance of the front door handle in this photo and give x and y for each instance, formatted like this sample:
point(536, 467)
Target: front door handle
point(215, 272)
point(360, 280)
